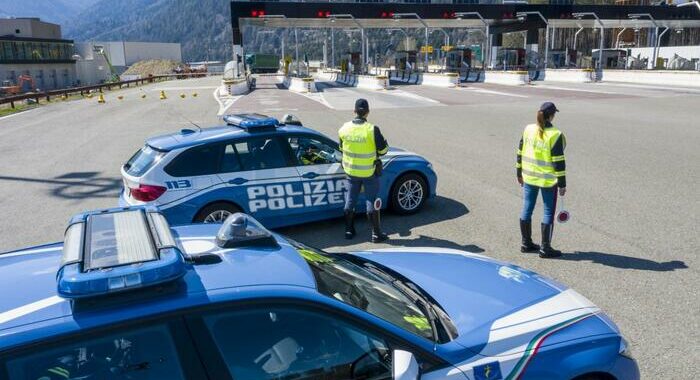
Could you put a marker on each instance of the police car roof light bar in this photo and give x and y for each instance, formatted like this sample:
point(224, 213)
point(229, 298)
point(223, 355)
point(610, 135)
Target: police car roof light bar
point(252, 121)
point(113, 250)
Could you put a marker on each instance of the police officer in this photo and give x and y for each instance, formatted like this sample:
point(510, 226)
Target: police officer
point(362, 143)
point(541, 168)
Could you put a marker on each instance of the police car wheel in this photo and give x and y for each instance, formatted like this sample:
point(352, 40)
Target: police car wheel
point(408, 194)
point(215, 213)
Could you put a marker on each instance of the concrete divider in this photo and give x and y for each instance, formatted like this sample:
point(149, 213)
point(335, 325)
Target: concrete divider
point(373, 82)
point(235, 86)
point(347, 79)
point(327, 76)
point(513, 78)
point(569, 75)
point(301, 84)
point(657, 77)
point(440, 80)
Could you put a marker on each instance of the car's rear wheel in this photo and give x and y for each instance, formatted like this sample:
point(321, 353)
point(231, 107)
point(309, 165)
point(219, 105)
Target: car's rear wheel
point(216, 213)
point(408, 194)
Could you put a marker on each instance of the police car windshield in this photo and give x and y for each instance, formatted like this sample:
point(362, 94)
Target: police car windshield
point(142, 160)
point(347, 280)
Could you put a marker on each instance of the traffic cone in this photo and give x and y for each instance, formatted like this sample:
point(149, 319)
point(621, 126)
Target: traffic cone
point(194, 95)
point(120, 97)
point(101, 99)
point(182, 96)
point(143, 96)
point(64, 97)
point(162, 95)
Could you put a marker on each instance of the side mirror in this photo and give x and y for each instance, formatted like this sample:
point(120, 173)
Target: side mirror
point(290, 119)
point(405, 366)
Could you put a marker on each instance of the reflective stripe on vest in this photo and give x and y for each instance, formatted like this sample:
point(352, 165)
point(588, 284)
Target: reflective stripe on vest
point(359, 149)
point(537, 162)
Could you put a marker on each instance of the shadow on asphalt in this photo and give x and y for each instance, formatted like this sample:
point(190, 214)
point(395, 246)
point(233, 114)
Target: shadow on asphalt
point(329, 233)
point(624, 262)
point(76, 185)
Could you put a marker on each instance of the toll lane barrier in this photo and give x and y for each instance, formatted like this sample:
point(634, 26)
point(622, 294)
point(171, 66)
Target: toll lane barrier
point(440, 80)
point(372, 82)
point(655, 77)
point(569, 75)
point(513, 78)
point(235, 86)
point(405, 76)
point(347, 79)
point(327, 76)
point(300, 84)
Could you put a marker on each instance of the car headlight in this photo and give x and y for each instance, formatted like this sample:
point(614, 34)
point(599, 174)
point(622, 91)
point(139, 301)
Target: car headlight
point(625, 349)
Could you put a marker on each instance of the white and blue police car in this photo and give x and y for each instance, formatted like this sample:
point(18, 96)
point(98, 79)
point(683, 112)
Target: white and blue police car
point(281, 173)
point(126, 296)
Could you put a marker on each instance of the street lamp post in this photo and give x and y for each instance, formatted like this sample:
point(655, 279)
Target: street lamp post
point(333, 17)
point(487, 36)
point(523, 15)
point(602, 34)
point(657, 36)
point(398, 16)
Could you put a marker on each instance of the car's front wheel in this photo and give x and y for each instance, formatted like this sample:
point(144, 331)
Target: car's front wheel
point(408, 194)
point(216, 213)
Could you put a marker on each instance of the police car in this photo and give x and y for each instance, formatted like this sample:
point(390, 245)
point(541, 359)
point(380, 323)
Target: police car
point(282, 173)
point(126, 296)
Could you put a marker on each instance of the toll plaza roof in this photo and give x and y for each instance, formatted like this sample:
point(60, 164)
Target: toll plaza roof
point(501, 18)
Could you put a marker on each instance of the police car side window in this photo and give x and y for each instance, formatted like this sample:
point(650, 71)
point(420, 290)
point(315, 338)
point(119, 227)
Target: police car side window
point(230, 162)
point(142, 353)
point(261, 153)
point(199, 160)
point(309, 151)
point(285, 342)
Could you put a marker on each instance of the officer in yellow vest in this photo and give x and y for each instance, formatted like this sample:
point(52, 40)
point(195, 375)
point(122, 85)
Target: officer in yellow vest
point(362, 143)
point(541, 168)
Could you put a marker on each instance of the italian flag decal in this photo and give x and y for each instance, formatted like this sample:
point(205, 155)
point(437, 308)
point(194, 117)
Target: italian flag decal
point(536, 342)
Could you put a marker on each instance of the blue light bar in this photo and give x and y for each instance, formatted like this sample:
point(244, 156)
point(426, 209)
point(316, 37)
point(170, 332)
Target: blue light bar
point(113, 250)
point(252, 121)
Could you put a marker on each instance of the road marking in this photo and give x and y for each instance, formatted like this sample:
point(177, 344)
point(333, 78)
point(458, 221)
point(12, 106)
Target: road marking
point(491, 92)
point(548, 87)
point(182, 88)
point(18, 113)
point(315, 96)
point(226, 102)
point(411, 95)
point(650, 87)
point(28, 309)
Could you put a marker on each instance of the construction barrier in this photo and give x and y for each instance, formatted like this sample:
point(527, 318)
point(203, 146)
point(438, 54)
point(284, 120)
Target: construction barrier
point(440, 80)
point(235, 86)
point(654, 77)
point(513, 78)
point(569, 75)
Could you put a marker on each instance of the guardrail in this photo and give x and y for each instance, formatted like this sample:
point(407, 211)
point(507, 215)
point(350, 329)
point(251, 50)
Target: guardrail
point(86, 89)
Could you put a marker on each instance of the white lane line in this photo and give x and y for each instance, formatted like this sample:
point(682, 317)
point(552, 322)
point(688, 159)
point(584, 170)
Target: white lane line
point(548, 87)
point(411, 95)
point(491, 92)
point(182, 88)
point(315, 96)
point(650, 87)
point(28, 309)
point(224, 102)
point(18, 113)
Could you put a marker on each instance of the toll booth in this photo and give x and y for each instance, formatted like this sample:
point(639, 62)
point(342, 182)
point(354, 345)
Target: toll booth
point(458, 58)
point(511, 59)
point(612, 58)
point(403, 57)
point(354, 60)
point(562, 59)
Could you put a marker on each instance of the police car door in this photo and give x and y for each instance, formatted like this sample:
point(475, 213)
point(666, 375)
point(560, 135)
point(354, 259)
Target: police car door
point(323, 181)
point(261, 178)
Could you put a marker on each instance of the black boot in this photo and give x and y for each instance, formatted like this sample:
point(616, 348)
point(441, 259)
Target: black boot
point(377, 234)
point(546, 251)
point(349, 224)
point(527, 246)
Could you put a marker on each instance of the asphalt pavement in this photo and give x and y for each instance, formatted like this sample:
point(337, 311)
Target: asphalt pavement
point(632, 161)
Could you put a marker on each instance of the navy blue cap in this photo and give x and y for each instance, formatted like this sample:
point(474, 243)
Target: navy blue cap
point(361, 106)
point(548, 108)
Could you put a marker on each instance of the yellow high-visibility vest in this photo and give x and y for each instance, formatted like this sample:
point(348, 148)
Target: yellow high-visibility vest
point(537, 160)
point(359, 149)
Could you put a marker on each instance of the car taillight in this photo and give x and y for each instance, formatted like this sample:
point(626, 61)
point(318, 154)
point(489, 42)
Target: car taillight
point(147, 193)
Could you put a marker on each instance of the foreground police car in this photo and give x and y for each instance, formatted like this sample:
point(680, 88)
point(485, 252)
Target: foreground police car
point(127, 297)
point(283, 174)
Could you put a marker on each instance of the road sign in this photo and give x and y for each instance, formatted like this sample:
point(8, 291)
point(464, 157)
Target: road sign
point(447, 47)
point(426, 49)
